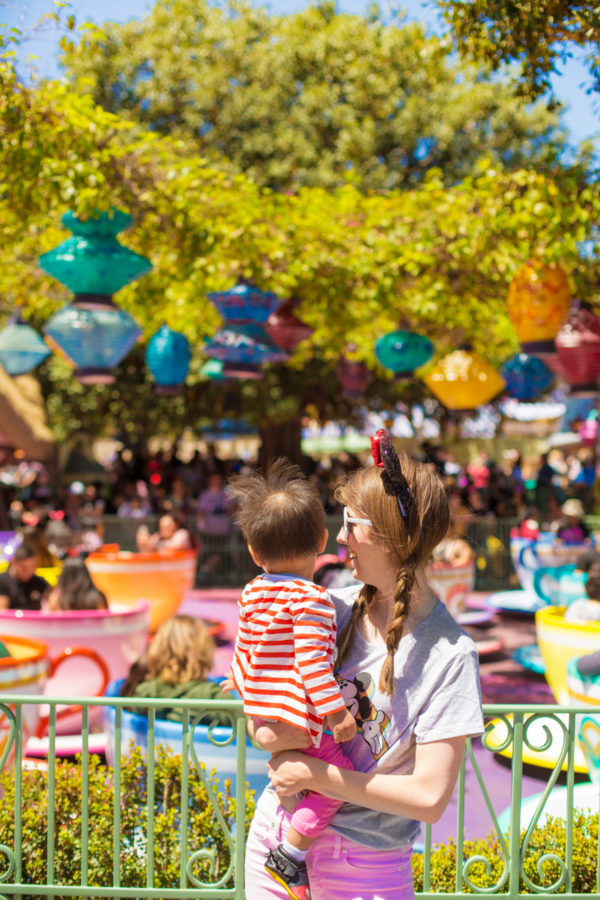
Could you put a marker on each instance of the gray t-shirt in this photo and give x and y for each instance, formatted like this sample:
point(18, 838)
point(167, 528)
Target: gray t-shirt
point(436, 696)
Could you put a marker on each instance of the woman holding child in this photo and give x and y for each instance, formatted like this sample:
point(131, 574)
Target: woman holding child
point(409, 676)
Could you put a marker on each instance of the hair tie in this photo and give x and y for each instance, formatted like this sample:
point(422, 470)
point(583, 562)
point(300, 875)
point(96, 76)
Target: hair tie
point(394, 482)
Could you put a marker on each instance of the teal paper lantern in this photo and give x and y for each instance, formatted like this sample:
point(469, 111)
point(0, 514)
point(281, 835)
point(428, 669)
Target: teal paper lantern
point(168, 358)
point(94, 340)
point(403, 351)
point(92, 263)
point(21, 348)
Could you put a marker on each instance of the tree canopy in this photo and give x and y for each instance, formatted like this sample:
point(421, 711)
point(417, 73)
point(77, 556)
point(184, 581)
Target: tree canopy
point(537, 34)
point(313, 98)
point(433, 257)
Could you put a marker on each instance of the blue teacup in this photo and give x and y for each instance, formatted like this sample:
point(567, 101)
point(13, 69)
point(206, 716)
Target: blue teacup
point(559, 585)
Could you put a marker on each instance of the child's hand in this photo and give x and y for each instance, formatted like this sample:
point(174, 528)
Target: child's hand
point(227, 684)
point(342, 725)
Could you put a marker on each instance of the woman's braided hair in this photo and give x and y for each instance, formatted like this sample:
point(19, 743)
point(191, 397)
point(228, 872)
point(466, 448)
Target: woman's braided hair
point(410, 540)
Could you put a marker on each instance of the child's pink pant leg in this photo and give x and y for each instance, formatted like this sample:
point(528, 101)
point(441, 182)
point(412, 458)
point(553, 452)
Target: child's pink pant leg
point(314, 812)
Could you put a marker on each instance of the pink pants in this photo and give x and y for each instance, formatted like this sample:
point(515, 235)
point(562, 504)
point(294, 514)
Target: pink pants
point(338, 869)
point(314, 812)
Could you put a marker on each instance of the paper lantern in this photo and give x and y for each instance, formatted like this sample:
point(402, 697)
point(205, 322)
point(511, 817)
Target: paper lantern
point(539, 298)
point(354, 377)
point(92, 263)
point(403, 351)
point(21, 348)
point(463, 380)
point(244, 303)
point(168, 358)
point(578, 351)
point(526, 376)
point(245, 344)
point(285, 328)
point(93, 340)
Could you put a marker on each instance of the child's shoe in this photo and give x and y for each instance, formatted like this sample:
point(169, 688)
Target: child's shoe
point(289, 872)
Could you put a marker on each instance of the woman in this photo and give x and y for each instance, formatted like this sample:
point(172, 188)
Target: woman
point(176, 664)
point(410, 677)
point(75, 589)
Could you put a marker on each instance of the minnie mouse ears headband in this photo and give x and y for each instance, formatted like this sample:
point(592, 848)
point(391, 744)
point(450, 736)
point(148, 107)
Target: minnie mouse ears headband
point(394, 482)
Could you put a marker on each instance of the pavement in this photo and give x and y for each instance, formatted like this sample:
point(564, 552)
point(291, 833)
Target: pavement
point(503, 680)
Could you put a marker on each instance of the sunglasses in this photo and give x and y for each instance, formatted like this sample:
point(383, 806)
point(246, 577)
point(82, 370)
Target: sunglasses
point(349, 522)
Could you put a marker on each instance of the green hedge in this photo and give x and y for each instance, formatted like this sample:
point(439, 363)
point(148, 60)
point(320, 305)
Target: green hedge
point(551, 838)
point(203, 827)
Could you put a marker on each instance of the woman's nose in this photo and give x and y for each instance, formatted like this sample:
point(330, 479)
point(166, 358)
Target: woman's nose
point(340, 537)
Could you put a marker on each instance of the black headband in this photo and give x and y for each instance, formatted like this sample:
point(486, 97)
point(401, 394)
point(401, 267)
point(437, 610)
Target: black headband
point(394, 482)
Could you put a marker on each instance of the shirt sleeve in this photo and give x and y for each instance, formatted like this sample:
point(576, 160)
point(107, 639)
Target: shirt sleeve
point(314, 634)
point(454, 707)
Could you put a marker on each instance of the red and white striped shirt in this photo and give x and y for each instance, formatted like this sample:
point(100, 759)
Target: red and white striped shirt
point(283, 657)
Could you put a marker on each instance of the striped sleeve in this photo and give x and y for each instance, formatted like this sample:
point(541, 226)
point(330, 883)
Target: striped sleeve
point(314, 635)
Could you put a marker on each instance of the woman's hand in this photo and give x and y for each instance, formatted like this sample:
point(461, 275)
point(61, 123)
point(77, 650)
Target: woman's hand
point(290, 773)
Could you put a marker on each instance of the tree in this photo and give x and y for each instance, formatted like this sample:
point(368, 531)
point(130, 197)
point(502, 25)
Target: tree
point(437, 258)
point(534, 33)
point(312, 98)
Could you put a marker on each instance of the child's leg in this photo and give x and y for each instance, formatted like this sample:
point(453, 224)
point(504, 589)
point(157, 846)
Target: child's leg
point(314, 812)
point(286, 862)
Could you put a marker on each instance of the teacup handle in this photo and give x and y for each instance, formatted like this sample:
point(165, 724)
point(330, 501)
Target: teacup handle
point(68, 653)
point(522, 559)
point(538, 582)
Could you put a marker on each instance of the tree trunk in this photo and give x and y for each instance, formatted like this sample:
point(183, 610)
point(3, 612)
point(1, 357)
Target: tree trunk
point(282, 439)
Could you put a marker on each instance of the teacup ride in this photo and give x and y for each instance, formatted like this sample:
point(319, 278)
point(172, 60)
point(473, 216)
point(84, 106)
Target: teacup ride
point(117, 636)
point(452, 584)
point(160, 578)
point(215, 747)
point(585, 691)
point(529, 556)
point(559, 585)
point(26, 671)
point(559, 641)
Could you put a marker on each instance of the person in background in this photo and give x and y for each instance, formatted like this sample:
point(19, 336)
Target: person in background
point(587, 609)
point(34, 533)
point(20, 587)
point(170, 536)
point(75, 589)
point(176, 665)
point(572, 529)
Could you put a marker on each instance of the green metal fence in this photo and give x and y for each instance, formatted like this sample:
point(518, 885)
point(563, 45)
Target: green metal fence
point(49, 820)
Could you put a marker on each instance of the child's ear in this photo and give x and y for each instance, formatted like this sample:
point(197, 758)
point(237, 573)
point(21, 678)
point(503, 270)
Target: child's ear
point(324, 539)
point(255, 558)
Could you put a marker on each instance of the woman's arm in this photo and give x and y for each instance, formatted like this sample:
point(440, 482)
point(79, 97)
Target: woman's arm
point(423, 795)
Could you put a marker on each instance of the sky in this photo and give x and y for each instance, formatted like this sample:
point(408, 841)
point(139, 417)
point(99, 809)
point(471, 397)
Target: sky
point(581, 119)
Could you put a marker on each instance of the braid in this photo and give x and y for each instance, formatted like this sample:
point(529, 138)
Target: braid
point(359, 607)
point(404, 586)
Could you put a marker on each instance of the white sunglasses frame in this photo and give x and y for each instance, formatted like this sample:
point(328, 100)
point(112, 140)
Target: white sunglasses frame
point(350, 520)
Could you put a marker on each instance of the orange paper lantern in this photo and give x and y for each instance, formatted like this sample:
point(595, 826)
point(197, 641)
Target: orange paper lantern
point(463, 380)
point(539, 298)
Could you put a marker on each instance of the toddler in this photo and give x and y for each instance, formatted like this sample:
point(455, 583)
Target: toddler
point(283, 658)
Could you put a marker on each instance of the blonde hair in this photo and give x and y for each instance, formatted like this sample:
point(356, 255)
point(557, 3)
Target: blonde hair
point(181, 650)
point(411, 542)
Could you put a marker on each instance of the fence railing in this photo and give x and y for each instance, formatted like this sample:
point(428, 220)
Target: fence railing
point(156, 825)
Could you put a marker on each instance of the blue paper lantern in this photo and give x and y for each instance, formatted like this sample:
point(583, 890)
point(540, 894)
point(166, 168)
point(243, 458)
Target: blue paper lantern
point(403, 351)
point(241, 344)
point(526, 376)
point(168, 358)
point(21, 348)
point(244, 303)
point(92, 263)
point(94, 340)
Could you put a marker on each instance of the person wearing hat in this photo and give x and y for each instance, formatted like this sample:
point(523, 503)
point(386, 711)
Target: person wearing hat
point(573, 529)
